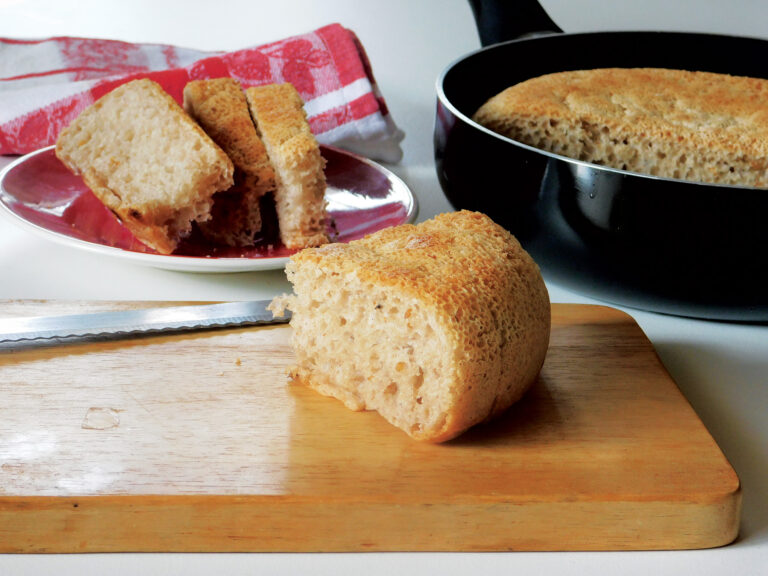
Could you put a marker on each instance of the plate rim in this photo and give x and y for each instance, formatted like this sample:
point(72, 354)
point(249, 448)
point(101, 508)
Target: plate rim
point(184, 263)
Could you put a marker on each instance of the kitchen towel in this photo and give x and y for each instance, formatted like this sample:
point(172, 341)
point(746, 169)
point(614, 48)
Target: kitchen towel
point(45, 84)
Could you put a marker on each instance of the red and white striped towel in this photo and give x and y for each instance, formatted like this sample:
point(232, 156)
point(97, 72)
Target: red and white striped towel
point(45, 84)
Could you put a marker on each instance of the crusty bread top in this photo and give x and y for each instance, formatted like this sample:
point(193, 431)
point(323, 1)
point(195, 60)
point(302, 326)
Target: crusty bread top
point(147, 161)
point(462, 264)
point(726, 116)
point(277, 113)
point(219, 106)
point(428, 258)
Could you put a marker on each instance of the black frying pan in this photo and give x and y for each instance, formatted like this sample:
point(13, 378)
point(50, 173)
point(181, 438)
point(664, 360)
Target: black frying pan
point(658, 244)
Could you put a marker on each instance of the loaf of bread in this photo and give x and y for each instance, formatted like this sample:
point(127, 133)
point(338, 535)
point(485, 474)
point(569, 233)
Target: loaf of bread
point(219, 107)
point(147, 161)
point(277, 110)
point(696, 126)
point(437, 326)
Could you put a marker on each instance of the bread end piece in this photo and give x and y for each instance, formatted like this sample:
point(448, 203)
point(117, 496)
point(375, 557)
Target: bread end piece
point(437, 326)
point(147, 161)
point(219, 107)
point(277, 110)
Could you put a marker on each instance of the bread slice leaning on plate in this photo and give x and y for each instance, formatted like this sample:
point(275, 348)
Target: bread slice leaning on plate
point(277, 110)
point(219, 107)
point(147, 161)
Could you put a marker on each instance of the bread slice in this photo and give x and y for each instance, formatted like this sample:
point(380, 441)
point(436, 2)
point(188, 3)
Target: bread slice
point(147, 161)
point(436, 326)
point(281, 122)
point(219, 107)
point(696, 126)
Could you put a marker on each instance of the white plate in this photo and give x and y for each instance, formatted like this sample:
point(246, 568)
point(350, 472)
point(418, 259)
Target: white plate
point(40, 193)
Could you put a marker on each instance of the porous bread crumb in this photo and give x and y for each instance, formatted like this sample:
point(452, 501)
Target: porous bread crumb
point(147, 161)
point(437, 326)
point(695, 126)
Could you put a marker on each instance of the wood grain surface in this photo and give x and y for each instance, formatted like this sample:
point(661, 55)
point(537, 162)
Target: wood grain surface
point(198, 442)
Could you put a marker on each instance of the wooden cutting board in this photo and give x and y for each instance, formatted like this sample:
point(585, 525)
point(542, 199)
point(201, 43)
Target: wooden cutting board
point(197, 442)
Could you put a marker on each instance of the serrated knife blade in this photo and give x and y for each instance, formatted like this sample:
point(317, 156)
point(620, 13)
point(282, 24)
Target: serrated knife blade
point(139, 321)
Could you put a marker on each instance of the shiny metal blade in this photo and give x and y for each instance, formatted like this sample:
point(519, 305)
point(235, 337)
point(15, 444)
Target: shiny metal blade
point(127, 322)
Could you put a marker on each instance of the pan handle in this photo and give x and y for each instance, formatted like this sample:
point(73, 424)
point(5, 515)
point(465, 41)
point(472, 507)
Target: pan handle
point(502, 20)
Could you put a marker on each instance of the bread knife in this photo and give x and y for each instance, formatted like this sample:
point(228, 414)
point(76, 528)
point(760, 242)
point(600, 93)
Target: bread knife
point(124, 323)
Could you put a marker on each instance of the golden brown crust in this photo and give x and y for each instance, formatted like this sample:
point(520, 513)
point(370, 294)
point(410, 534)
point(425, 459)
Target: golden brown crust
point(219, 106)
point(477, 283)
point(671, 123)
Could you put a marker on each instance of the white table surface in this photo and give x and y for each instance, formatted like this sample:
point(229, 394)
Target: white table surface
point(722, 368)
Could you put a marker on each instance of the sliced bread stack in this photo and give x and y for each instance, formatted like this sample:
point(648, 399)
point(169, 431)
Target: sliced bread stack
point(161, 169)
point(219, 107)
